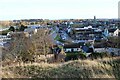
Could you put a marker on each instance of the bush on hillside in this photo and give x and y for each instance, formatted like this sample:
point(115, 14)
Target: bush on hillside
point(12, 28)
point(4, 32)
point(75, 56)
point(96, 55)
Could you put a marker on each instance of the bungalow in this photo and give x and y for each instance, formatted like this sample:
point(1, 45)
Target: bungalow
point(73, 47)
point(77, 47)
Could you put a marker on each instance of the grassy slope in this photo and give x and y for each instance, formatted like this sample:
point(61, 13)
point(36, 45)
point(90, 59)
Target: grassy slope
point(107, 68)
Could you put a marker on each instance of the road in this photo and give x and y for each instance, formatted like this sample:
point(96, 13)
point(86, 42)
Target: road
point(66, 37)
point(53, 35)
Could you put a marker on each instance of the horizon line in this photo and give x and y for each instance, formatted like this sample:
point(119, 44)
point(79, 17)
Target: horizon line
point(54, 19)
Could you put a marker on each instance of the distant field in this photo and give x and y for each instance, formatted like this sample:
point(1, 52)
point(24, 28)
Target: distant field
point(2, 27)
point(3, 30)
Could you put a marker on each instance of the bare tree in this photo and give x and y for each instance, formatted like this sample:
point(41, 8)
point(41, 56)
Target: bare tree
point(42, 41)
point(21, 47)
point(25, 48)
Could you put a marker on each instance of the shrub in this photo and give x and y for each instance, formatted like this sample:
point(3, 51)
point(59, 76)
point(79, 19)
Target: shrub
point(22, 28)
point(82, 56)
point(96, 55)
point(12, 28)
point(58, 38)
point(74, 56)
point(4, 32)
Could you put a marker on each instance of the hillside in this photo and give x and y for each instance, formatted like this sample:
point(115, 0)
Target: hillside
point(100, 68)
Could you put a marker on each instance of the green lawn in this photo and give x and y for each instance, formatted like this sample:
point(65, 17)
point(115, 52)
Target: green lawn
point(59, 39)
point(4, 32)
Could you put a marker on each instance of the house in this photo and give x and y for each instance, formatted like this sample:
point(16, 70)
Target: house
point(111, 31)
point(73, 47)
point(34, 26)
point(31, 30)
point(112, 51)
point(78, 47)
point(71, 23)
point(87, 49)
point(106, 33)
point(87, 33)
point(18, 34)
point(117, 33)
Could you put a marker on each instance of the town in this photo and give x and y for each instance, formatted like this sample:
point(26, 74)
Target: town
point(36, 40)
point(70, 32)
point(60, 39)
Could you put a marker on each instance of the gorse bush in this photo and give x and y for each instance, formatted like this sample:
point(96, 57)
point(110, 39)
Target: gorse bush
point(96, 55)
point(75, 56)
point(81, 55)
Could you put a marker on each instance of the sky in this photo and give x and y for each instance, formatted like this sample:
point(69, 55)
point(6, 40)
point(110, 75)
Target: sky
point(58, 9)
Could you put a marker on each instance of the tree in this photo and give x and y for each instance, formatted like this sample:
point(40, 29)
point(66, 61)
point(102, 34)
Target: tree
point(22, 28)
point(42, 41)
point(119, 25)
point(21, 47)
point(25, 48)
point(12, 28)
point(114, 42)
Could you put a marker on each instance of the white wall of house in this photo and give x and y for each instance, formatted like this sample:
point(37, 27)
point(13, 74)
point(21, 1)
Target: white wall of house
point(31, 30)
point(116, 33)
point(74, 49)
point(68, 50)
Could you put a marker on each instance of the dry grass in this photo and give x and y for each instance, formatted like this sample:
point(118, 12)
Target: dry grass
point(100, 68)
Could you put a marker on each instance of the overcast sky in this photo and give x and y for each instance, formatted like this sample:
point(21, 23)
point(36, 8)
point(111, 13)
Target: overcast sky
point(57, 9)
